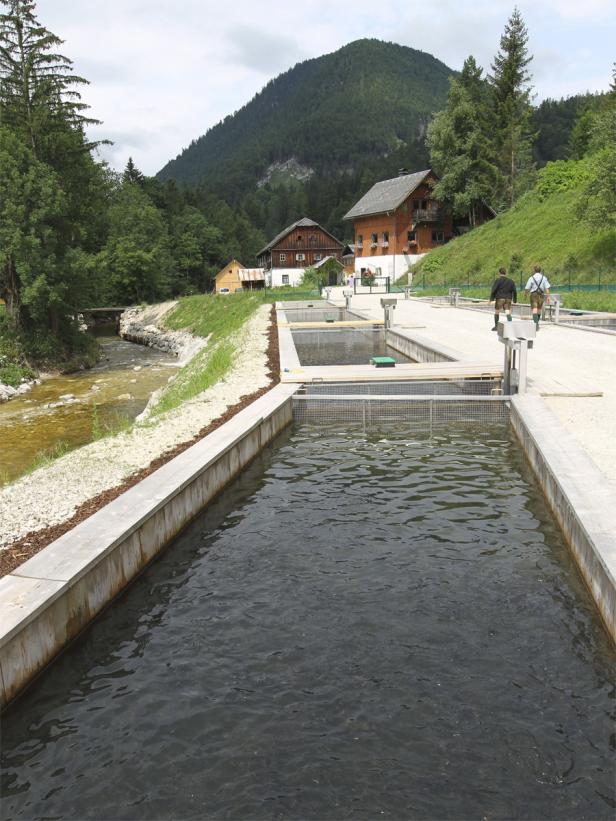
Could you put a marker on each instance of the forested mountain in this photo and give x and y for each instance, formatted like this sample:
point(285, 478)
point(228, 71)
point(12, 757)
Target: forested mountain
point(318, 135)
point(559, 134)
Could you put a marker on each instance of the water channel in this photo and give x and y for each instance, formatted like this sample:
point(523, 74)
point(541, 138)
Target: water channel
point(361, 626)
point(348, 346)
point(117, 388)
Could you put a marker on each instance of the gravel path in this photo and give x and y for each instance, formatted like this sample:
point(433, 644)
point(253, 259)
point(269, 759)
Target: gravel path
point(51, 494)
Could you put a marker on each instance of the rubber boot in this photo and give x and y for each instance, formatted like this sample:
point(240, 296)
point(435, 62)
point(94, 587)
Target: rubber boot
point(509, 317)
point(495, 328)
point(536, 320)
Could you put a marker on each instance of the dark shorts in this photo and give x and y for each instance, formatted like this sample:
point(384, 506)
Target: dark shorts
point(536, 300)
point(502, 304)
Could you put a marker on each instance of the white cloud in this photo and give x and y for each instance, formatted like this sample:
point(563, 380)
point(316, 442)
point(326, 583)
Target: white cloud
point(162, 74)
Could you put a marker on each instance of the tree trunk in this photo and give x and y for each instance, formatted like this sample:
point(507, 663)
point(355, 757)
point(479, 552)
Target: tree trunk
point(11, 291)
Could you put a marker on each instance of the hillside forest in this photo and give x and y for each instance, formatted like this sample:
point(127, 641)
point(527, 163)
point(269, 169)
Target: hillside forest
point(75, 233)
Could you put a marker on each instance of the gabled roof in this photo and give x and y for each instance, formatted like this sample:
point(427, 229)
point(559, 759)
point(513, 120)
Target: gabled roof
point(326, 259)
point(387, 195)
point(303, 223)
point(229, 264)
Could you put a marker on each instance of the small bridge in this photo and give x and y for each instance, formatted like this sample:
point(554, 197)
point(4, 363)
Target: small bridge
point(113, 311)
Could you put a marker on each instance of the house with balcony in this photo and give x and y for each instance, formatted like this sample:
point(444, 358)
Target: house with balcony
point(301, 245)
point(398, 220)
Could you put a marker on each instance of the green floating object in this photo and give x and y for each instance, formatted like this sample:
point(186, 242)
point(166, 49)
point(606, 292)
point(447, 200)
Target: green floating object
point(329, 319)
point(383, 362)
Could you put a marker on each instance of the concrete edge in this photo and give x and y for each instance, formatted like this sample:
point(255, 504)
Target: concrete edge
point(426, 349)
point(45, 605)
point(581, 500)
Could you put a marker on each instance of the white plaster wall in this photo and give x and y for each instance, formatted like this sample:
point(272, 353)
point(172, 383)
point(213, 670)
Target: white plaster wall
point(386, 263)
point(295, 275)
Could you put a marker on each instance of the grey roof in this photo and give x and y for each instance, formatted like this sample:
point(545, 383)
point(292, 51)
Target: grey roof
point(326, 259)
point(386, 195)
point(303, 223)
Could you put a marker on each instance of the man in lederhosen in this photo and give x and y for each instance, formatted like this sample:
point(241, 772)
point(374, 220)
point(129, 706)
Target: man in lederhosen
point(539, 288)
point(503, 293)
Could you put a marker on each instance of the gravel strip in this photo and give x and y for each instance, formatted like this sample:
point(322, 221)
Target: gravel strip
point(35, 503)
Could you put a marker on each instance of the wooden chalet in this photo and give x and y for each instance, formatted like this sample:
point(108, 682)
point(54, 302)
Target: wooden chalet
point(235, 277)
point(400, 216)
point(301, 245)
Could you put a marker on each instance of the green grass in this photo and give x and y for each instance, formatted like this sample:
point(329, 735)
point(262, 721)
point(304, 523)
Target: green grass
point(222, 316)
point(203, 371)
point(216, 314)
point(585, 301)
point(541, 228)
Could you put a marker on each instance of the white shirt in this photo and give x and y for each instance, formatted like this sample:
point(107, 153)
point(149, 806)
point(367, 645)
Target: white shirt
point(537, 282)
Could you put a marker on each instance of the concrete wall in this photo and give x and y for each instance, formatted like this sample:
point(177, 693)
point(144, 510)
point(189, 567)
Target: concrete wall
point(49, 599)
point(579, 495)
point(420, 348)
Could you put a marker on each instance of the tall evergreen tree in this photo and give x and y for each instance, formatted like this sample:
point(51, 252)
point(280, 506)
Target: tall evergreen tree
point(132, 173)
point(38, 89)
point(599, 197)
point(41, 108)
point(460, 150)
point(510, 82)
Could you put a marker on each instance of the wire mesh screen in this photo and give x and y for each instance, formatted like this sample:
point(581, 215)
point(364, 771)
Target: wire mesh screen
point(449, 387)
point(378, 411)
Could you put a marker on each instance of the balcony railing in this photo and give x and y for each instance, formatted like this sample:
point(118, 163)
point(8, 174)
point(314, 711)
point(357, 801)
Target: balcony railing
point(359, 245)
point(427, 215)
point(385, 243)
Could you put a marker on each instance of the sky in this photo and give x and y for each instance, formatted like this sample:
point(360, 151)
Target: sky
point(163, 72)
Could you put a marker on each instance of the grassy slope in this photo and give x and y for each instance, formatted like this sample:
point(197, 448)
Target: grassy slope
point(548, 232)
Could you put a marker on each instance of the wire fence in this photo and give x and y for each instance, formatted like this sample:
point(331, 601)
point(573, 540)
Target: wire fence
point(419, 412)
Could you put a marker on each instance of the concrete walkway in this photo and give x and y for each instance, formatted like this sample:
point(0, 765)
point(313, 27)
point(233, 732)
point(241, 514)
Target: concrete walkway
point(565, 367)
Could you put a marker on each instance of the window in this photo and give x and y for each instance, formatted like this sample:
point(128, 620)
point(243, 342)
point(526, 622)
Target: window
point(374, 240)
point(283, 257)
point(385, 242)
point(317, 257)
point(285, 279)
point(411, 236)
point(424, 205)
point(360, 241)
point(300, 239)
point(301, 257)
point(312, 240)
point(438, 236)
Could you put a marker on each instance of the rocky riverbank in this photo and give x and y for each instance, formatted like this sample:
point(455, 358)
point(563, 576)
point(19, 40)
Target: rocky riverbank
point(143, 325)
point(8, 392)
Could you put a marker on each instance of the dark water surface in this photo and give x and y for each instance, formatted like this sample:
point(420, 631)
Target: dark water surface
point(361, 627)
point(348, 346)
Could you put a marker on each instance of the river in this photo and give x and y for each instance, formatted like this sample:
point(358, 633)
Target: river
point(115, 390)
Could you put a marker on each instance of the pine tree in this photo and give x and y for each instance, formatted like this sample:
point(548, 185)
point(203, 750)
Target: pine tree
point(132, 174)
point(38, 89)
point(460, 149)
point(599, 197)
point(512, 110)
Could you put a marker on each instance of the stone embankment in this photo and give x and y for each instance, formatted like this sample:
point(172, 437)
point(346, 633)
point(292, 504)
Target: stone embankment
point(143, 325)
point(33, 502)
point(8, 392)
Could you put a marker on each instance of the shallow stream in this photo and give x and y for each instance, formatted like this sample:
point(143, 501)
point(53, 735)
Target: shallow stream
point(361, 626)
point(116, 390)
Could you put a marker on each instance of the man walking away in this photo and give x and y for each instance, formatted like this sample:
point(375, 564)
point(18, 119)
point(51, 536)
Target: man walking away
point(503, 293)
point(539, 288)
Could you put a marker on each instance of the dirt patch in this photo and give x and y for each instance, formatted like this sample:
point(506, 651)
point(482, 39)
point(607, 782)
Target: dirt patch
point(30, 544)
